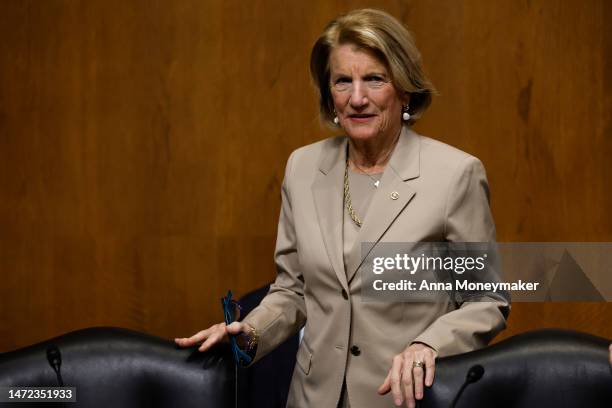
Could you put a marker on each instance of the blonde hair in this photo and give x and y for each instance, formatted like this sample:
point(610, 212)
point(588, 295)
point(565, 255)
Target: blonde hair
point(387, 39)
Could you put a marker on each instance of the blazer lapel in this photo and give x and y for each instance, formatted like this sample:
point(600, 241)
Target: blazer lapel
point(329, 202)
point(390, 199)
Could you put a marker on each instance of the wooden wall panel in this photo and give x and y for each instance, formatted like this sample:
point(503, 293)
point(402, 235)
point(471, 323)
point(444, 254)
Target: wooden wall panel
point(142, 145)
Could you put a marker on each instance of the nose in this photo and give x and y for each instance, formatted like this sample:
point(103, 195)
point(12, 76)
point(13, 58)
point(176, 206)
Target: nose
point(358, 98)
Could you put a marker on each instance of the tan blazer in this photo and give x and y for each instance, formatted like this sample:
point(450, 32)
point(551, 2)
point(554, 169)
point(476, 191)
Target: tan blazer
point(443, 196)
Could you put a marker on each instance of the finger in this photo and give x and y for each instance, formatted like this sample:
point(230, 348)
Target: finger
point(408, 381)
point(396, 376)
point(186, 341)
point(430, 369)
point(417, 375)
point(196, 338)
point(213, 339)
point(386, 385)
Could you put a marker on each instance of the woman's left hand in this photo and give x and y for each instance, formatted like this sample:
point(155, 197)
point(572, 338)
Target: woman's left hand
point(405, 379)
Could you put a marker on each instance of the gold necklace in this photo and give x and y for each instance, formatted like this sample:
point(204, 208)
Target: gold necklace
point(347, 198)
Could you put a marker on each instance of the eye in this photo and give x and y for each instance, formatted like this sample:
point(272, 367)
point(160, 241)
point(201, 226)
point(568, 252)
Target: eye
point(375, 80)
point(342, 84)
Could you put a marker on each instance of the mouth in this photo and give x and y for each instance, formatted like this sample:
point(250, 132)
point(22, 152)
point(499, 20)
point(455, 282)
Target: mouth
point(361, 117)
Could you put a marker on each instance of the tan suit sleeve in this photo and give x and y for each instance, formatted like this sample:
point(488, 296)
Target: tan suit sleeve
point(282, 312)
point(468, 219)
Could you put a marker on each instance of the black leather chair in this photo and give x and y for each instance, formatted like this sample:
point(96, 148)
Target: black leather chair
point(119, 368)
point(545, 368)
point(112, 367)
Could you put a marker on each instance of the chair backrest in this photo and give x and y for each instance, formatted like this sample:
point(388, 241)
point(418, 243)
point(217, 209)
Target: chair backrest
point(545, 368)
point(112, 367)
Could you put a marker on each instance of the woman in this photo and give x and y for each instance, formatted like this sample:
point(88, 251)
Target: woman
point(380, 183)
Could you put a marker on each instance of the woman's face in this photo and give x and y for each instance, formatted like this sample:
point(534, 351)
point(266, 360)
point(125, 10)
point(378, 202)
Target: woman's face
point(366, 102)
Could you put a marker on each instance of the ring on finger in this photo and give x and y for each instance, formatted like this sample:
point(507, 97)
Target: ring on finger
point(417, 364)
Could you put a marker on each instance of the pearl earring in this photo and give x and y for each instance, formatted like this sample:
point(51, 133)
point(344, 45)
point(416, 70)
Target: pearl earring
point(405, 114)
point(336, 120)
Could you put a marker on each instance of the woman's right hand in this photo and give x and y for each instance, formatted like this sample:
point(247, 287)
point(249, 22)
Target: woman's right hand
point(213, 335)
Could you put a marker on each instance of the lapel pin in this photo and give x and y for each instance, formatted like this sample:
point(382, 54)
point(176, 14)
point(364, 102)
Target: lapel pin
point(394, 195)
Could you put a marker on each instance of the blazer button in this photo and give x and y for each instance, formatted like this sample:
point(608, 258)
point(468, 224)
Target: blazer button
point(344, 294)
point(355, 351)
